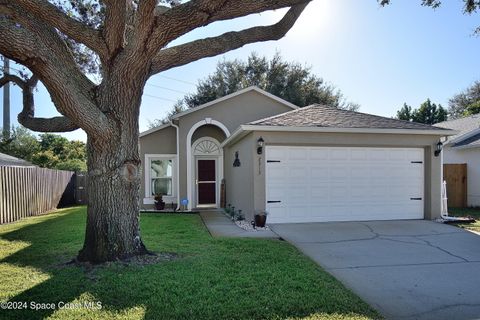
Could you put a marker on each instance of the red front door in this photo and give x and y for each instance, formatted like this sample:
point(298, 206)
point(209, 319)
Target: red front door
point(206, 181)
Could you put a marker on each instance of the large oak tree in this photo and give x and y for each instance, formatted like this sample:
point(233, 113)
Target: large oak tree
point(131, 40)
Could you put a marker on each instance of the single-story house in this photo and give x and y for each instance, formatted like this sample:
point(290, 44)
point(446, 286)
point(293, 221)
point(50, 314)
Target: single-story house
point(257, 152)
point(464, 147)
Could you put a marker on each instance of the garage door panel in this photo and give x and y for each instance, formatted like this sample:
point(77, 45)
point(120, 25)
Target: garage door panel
point(339, 154)
point(276, 192)
point(338, 173)
point(297, 211)
point(377, 154)
point(358, 154)
point(398, 155)
point(319, 173)
point(277, 214)
point(277, 153)
point(339, 210)
point(297, 197)
point(319, 154)
point(298, 154)
point(416, 154)
point(344, 184)
point(319, 194)
point(361, 173)
point(297, 173)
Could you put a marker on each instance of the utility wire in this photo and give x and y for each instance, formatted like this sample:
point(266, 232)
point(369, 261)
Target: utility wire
point(166, 77)
point(175, 79)
point(155, 97)
point(150, 84)
point(161, 87)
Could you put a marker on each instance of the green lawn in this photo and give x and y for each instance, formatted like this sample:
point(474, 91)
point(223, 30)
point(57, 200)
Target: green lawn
point(212, 278)
point(464, 212)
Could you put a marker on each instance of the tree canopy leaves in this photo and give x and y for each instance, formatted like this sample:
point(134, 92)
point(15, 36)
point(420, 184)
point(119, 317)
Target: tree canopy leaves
point(466, 102)
point(290, 81)
point(428, 113)
point(48, 151)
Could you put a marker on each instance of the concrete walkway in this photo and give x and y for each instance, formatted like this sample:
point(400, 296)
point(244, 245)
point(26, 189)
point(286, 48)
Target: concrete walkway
point(220, 226)
point(405, 269)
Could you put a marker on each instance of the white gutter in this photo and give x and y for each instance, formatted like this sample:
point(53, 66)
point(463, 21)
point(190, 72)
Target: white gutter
point(163, 126)
point(465, 147)
point(236, 134)
point(178, 165)
point(465, 136)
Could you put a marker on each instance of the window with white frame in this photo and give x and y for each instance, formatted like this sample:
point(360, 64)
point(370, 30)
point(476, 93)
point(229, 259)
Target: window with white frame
point(160, 175)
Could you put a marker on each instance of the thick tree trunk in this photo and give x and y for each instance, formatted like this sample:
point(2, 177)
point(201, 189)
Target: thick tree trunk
point(113, 230)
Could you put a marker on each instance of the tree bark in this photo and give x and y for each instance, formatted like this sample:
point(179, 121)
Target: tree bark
point(113, 214)
point(113, 230)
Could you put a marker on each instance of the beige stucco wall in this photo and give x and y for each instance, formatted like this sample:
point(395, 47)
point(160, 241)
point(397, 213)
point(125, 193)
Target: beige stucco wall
point(160, 142)
point(432, 164)
point(239, 180)
point(472, 158)
point(232, 113)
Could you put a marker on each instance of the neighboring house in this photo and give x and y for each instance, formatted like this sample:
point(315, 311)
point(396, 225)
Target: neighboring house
point(6, 160)
point(464, 147)
point(317, 163)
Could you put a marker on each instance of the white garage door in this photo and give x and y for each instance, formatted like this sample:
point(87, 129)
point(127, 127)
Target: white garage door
point(315, 184)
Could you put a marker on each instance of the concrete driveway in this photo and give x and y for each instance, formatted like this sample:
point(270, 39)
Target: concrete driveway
point(411, 269)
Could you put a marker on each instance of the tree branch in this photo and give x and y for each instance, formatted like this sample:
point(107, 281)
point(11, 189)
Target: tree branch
point(41, 49)
point(12, 78)
point(115, 23)
point(27, 116)
point(51, 15)
point(55, 124)
point(144, 23)
point(184, 18)
point(209, 47)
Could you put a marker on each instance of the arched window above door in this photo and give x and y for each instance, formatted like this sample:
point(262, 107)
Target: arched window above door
point(206, 146)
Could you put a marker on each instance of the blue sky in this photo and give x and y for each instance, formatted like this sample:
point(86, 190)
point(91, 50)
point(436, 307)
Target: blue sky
point(379, 57)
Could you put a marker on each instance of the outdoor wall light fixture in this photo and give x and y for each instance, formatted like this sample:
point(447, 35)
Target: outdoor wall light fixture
point(438, 148)
point(236, 162)
point(260, 143)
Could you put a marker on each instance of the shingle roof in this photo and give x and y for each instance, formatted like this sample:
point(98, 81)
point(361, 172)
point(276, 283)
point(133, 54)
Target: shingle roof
point(6, 160)
point(464, 126)
point(324, 116)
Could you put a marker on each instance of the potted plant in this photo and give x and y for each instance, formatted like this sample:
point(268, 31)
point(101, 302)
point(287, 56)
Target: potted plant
point(260, 218)
point(159, 203)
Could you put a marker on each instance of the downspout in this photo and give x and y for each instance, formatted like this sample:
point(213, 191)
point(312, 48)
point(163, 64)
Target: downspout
point(178, 165)
point(442, 209)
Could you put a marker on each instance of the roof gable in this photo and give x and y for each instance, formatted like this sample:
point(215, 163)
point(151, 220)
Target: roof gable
point(330, 117)
point(232, 95)
point(216, 101)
